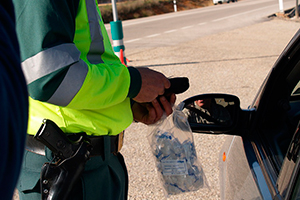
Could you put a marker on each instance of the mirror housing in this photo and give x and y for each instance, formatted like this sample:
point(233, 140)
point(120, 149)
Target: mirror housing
point(212, 113)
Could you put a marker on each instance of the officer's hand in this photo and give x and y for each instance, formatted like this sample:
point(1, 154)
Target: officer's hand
point(153, 84)
point(150, 113)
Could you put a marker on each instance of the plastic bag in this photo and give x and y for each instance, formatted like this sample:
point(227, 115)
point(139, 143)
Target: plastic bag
point(172, 145)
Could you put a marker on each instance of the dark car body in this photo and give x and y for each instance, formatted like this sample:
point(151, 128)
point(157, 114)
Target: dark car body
point(222, 1)
point(260, 160)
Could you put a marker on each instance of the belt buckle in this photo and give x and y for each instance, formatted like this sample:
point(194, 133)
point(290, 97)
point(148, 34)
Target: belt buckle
point(120, 140)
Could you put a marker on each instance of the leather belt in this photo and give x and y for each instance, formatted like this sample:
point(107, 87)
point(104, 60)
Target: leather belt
point(116, 143)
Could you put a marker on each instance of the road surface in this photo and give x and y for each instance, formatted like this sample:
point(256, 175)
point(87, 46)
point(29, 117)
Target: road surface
point(174, 28)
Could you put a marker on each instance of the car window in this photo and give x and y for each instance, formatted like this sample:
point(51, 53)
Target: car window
point(288, 183)
point(294, 100)
point(296, 194)
point(291, 117)
point(283, 120)
point(296, 90)
point(278, 125)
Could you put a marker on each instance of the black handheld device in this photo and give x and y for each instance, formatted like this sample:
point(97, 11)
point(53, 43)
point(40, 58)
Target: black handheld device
point(178, 85)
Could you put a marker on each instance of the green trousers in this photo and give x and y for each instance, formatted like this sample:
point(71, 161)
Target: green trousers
point(105, 177)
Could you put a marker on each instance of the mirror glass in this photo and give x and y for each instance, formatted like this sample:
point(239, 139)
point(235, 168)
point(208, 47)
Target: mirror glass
point(211, 113)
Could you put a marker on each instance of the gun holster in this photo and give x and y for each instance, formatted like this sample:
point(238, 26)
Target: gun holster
point(58, 178)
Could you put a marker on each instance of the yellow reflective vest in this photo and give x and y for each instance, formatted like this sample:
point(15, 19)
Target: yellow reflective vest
point(73, 76)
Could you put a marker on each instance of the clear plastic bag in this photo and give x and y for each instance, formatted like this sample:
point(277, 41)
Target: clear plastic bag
point(172, 145)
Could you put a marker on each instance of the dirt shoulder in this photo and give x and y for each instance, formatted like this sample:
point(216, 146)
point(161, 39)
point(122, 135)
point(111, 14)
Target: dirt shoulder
point(138, 9)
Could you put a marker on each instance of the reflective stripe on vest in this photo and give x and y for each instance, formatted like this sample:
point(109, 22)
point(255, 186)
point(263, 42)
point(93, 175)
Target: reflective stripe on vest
point(50, 60)
point(70, 85)
point(96, 46)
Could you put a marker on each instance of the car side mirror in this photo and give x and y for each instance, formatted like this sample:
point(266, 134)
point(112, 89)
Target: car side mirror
point(211, 113)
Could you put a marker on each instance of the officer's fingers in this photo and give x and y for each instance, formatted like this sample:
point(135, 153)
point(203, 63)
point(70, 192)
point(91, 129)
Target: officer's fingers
point(159, 82)
point(167, 83)
point(161, 90)
point(158, 110)
point(151, 116)
point(172, 99)
point(166, 105)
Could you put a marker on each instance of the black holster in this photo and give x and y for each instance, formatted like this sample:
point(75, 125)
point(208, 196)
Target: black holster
point(58, 178)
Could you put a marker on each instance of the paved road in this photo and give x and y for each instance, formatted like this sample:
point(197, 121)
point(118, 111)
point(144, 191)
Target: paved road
point(174, 28)
point(235, 62)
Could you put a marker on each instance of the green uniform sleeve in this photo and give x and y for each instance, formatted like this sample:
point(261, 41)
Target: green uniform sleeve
point(57, 69)
point(135, 82)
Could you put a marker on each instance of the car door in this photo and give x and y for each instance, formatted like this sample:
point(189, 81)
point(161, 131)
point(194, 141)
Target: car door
point(261, 160)
point(274, 123)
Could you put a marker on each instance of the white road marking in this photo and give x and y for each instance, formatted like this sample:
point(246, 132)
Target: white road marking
point(134, 40)
point(166, 32)
point(154, 35)
point(170, 31)
point(186, 27)
point(203, 23)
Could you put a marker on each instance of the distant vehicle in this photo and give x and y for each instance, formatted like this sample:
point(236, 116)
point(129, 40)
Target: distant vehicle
point(261, 158)
point(223, 1)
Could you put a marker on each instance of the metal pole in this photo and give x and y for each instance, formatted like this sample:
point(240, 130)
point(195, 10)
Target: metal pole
point(114, 10)
point(297, 10)
point(117, 34)
point(175, 6)
point(281, 6)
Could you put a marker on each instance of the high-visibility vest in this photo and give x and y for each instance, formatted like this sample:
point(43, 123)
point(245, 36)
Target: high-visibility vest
point(78, 83)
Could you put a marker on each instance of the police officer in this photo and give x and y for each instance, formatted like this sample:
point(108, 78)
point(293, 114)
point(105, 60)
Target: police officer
point(75, 79)
point(13, 103)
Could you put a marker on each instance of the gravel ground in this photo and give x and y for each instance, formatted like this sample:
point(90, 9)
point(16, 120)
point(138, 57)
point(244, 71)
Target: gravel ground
point(234, 62)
